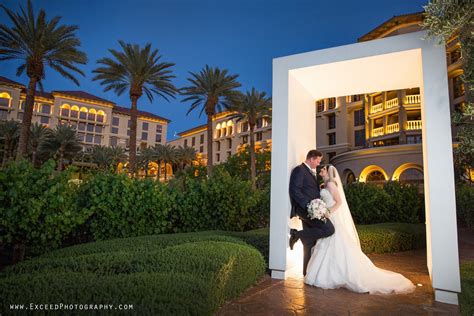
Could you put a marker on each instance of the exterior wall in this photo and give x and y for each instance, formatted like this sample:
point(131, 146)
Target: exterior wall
point(90, 131)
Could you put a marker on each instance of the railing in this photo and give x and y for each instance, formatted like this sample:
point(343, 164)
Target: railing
point(412, 99)
point(392, 128)
point(376, 108)
point(391, 103)
point(414, 125)
point(377, 131)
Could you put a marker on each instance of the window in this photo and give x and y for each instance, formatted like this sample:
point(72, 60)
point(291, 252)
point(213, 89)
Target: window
point(458, 87)
point(100, 116)
point(91, 115)
point(244, 127)
point(159, 128)
point(229, 143)
point(356, 97)
point(414, 139)
point(3, 114)
point(377, 99)
point(350, 178)
point(145, 126)
point(332, 103)
point(74, 112)
point(98, 129)
point(320, 105)
point(201, 149)
point(259, 123)
point(193, 141)
point(81, 126)
point(65, 110)
point(113, 141)
point(230, 130)
point(201, 140)
point(392, 141)
point(89, 138)
point(21, 106)
point(90, 127)
point(114, 130)
point(375, 176)
point(359, 117)
point(129, 123)
point(44, 120)
point(359, 137)
point(115, 121)
point(218, 145)
point(97, 139)
point(245, 139)
point(4, 101)
point(218, 157)
point(332, 138)
point(332, 121)
point(144, 136)
point(158, 138)
point(80, 137)
point(259, 136)
point(185, 143)
point(46, 109)
point(83, 114)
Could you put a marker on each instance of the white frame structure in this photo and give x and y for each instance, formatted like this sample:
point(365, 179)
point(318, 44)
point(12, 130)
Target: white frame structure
point(391, 63)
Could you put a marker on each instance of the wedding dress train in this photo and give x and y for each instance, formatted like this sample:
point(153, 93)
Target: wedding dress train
point(338, 260)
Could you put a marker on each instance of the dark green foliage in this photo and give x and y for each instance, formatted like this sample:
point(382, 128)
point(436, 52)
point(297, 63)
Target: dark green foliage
point(466, 298)
point(37, 206)
point(465, 204)
point(391, 237)
point(370, 204)
point(185, 274)
point(125, 207)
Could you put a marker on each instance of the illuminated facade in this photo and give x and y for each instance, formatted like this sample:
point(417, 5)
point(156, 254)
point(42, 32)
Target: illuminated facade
point(229, 137)
point(97, 121)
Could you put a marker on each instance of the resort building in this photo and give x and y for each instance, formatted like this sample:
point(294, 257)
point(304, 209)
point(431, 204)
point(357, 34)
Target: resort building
point(229, 137)
point(97, 121)
point(371, 137)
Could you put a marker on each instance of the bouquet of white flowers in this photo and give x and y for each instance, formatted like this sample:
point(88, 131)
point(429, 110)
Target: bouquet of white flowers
point(317, 209)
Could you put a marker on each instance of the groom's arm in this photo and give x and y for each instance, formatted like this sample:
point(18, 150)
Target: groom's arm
point(296, 186)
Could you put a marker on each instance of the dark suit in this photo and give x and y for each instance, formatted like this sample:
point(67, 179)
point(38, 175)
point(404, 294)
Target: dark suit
point(304, 187)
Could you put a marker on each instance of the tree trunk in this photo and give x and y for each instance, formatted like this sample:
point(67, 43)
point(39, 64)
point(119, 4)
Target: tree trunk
point(252, 156)
point(133, 136)
point(61, 158)
point(209, 145)
point(33, 156)
point(166, 171)
point(146, 169)
point(27, 116)
point(159, 170)
point(18, 252)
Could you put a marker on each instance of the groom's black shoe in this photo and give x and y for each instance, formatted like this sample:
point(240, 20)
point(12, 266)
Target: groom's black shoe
point(293, 238)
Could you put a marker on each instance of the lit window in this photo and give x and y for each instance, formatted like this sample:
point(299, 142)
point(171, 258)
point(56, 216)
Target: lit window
point(74, 111)
point(65, 110)
point(83, 113)
point(91, 115)
point(100, 116)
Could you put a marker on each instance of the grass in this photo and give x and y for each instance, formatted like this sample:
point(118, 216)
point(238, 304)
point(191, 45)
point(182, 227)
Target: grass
point(466, 298)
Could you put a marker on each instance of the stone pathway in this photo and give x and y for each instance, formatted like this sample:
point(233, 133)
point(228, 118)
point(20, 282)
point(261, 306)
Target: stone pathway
point(293, 297)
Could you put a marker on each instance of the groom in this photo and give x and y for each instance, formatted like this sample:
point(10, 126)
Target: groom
point(304, 187)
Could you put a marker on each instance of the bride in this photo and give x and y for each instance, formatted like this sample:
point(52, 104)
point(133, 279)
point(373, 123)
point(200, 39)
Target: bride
point(338, 260)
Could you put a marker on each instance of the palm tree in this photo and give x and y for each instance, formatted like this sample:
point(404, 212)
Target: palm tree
point(101, 156)
point(63, 144)
point(146, 155)
point(158, 156)
point(139, 71)
point(38, 134)
point(9, 133)
point(213, 89)
point(117, 155)
point(39, 42)
point(251, 107)
point(168, 156)
point(185, 155)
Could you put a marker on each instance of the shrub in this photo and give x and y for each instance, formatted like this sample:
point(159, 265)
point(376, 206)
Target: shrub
point(466, 298)
point(192, 278)
point(125, 207)
point(395, 202)
point(37, 206)
point(391, 237)
point(464, 204)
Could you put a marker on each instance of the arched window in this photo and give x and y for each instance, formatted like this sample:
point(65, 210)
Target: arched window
point(91, 115)
point(224, 129)
point(83, 113)
point(100, 116)
point(350, 178)
point(218, 130)
point(5, 99)
point(230, 128)
point(65, 109)
point(376, 177)
point(411, 176)
point(74, 111)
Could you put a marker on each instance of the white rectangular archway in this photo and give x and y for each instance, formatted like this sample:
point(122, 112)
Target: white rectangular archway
point(392, 63)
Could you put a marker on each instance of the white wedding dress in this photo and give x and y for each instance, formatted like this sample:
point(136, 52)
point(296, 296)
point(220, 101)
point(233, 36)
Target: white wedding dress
point(338, 260)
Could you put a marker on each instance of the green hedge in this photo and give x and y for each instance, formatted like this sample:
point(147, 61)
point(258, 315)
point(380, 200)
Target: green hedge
point(192, 274)
point(464, 204)
point(394, 202)
point(466, 298)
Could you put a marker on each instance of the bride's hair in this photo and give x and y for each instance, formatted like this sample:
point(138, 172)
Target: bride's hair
point(331, 170)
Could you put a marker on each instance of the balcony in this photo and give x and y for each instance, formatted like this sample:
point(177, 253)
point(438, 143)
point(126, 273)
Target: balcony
point(376, 108)
point(378, 131)
point(413, 99)
point(391, 103)
point(392, 128)
point(414, 125)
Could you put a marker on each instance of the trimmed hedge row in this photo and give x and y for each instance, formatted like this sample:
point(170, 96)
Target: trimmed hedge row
point(466, 298)
point(464, 204)
point(190, 275)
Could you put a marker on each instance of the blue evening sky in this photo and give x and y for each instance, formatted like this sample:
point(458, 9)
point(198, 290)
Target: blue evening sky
point(242, 36)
